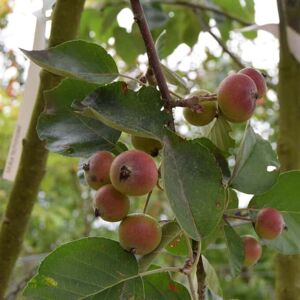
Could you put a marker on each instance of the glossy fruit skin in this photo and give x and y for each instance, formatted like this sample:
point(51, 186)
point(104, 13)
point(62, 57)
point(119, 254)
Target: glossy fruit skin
point(203, 118)
point(96, 170)
point(258, 78)
point(147, 145)
point(252, 250)
point(237, 95)
point(139, 234)
point(269, 223)
point(111, 205)
point(134, 173)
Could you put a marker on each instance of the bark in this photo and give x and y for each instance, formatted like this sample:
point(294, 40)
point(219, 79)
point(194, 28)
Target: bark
point(288, 267)
point(66, 17)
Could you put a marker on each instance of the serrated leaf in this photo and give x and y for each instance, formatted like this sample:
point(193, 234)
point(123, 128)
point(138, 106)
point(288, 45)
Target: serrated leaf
point(77, 59)
point(192, 181)
point(211, 277)
point(284, 196)
point(235, 248)
point(252, 174)
point(169, 231)
point(67, 132)
point(219, 134)
point(82, 268)
point(138, 113)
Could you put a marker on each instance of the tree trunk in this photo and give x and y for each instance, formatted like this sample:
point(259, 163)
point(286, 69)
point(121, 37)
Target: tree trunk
point(288, 267)
point(65, 22)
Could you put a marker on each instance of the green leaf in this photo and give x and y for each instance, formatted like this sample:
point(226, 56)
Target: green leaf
point(137, 113)
point(131, 289)
point(162, 287)
point(77, 59)
point(155, 16)
point(235, 248)
point(233, 200)
point(67, 132)
point(82, 268)
point(192, 181)
point(175, 79)
point(211, 277)
point(284, 196)
point(125, 41)
point(219, 134)
point(221, 160)
point(251, 174)
point(169, 231)
point(178, 246)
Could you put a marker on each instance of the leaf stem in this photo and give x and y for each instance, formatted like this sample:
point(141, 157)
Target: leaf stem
point(154, 61)
point(237, 217)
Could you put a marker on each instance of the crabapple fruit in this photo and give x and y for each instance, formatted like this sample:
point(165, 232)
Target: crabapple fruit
point(139, 234)
point(252, 250)
point(237, 96)
point(258, 78)
point(133, 173)
point(269, 223)
point(147, 145)
point(96, 170)
point(111, 205)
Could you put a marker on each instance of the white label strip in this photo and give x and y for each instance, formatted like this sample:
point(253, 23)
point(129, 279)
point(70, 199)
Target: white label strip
point(30, 92)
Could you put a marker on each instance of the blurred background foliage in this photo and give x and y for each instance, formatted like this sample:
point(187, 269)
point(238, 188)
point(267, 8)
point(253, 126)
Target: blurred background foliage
point(64, 209)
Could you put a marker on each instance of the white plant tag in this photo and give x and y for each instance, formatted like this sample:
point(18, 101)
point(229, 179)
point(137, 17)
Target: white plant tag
point(30, 92)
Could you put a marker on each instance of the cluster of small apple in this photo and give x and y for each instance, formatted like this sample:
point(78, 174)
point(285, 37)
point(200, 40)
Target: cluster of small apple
point(131, 173)
point(236, 99)
point(269, 225)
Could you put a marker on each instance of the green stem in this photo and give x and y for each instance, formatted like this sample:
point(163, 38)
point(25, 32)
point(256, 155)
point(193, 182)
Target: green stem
point(66, 17)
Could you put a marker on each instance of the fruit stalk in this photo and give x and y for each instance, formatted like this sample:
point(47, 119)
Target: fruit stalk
point(65, 22)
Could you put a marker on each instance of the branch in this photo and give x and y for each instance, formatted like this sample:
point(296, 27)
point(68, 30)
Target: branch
point(201, 279)
point(205, 8)
point(66, 17)
point(154, 61)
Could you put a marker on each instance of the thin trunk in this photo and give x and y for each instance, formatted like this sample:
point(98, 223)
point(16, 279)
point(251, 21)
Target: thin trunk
point(65, 22)
point(288, 267)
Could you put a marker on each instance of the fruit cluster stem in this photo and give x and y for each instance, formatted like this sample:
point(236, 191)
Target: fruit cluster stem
point(153, 58)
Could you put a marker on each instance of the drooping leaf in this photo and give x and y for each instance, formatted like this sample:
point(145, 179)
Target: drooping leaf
point(252, 173)
point(67, 132)
point(137, 113)
point(211, 278)
point(219, 134)
point(284, 196)
point(169, 231)
point(77, 59)
point(193, 182)
point(235, 248)
point(82, 268)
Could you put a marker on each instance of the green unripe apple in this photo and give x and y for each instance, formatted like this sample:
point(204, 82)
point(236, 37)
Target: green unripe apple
point(147, 145)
